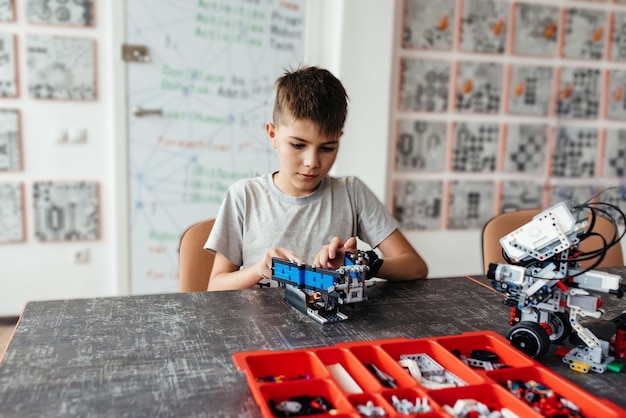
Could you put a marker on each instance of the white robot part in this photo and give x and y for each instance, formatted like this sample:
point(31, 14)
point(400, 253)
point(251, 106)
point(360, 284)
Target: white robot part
point(597, 281)
point(550, 232)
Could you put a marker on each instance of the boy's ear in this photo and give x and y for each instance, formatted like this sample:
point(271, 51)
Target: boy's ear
point(271, 132)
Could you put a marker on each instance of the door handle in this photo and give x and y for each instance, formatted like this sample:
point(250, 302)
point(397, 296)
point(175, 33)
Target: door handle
point(140, 112)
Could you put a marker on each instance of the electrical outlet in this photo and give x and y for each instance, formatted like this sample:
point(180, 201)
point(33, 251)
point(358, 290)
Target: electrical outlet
point(80, 256)
point(58, 135)
point(77, 135)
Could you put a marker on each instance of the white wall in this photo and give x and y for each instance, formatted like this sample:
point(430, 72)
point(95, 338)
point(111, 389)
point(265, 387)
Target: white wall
point(34, 270)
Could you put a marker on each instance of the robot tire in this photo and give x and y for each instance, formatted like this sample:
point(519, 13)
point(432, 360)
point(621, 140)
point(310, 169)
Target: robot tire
point(530, 338)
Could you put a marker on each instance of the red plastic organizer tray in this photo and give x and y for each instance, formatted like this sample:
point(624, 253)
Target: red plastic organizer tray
point(278, 376)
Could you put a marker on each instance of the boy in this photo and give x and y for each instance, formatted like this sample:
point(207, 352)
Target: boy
point(299, 213)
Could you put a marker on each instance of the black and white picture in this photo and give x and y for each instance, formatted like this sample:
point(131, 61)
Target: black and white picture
point(10, 147)
point(66, 211)
point(418, 204)
point(422, 145)
point(7, 13)
point(526, 148)
point(585, 33)
point(518, 194)
point(536, 29)
point(11, 213)
point(476, 147)
point(484, 26)
point(424, 85)
point(478, 87)
point(61, 67)
point(429, 24)
point(530, 90)
point(471, 203)
point(8, 65)
point(580, 92)
point(62, 12)
point(576, 152)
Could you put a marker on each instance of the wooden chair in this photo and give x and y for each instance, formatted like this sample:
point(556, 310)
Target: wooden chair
point(503, 224)
point(194, 262)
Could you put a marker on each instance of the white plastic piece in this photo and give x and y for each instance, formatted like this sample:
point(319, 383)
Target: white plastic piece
point(551, 231)
point(343, 377)
point(412, 368)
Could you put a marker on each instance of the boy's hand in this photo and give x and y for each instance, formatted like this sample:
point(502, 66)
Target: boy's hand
point(264, 266)
point(332, 256)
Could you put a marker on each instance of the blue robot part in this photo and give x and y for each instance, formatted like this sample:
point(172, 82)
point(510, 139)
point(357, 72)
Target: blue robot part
point(318, 292)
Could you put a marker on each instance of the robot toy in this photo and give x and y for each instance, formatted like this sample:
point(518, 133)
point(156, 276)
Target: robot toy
point(318, 292)
point(549, 292)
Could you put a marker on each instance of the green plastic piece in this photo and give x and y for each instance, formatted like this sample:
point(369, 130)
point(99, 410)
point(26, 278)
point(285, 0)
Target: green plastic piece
point(615, 367)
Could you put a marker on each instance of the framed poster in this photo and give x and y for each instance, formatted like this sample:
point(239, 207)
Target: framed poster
point(429, 24)
point(7, 11)
point(66, 210)
point(471, 203)
point(479, 87)
point(10, 144)
point(585, 33)
point(484, 25)
point(61, 67)
point(418, 204)
point(61, 12)
point(421, 145)
point(11, 213)
point(536, 29)
point(8, 65)
point(424, 85)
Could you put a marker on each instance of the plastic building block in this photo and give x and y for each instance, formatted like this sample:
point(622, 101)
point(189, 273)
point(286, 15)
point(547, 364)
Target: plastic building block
point(579, 366)
point(619, 345)
point(318, 292)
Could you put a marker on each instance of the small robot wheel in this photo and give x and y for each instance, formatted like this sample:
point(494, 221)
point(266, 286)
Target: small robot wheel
point(530, 338)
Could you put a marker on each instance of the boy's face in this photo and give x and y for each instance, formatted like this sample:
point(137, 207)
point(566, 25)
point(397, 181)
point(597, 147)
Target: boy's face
point(304, 155)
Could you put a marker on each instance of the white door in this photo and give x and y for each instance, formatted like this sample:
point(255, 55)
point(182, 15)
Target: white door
point(197, 101)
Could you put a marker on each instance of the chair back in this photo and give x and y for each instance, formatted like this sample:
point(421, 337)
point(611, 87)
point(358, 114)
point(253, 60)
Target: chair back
point(505, 223)
point(194, 262)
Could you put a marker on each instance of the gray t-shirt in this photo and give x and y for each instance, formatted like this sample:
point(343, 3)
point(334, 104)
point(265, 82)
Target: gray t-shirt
point(256, 216)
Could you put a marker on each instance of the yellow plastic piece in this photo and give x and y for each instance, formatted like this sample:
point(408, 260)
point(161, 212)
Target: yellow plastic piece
point(579, 366)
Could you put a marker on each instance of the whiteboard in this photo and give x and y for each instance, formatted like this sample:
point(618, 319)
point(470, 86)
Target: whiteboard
point(206, 93)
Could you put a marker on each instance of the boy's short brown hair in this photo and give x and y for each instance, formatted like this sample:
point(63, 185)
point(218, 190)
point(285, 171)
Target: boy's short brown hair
point(312, 93)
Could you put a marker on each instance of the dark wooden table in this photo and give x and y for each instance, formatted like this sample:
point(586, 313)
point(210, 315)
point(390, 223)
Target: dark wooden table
point(171, 354)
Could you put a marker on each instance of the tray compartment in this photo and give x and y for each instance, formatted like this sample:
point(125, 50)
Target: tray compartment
point(468, 342)
point(356, 369)
point(412, 395)
point(374, 398)
point(304, 388)
point(456, 371)
point(588, 404)
point(493, 396)
point(374, 355)
point(284, 366)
